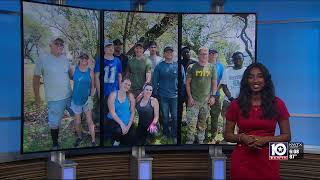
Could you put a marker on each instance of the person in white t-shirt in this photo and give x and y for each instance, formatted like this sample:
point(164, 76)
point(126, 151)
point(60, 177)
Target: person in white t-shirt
point(230, 82)
point(54, 68)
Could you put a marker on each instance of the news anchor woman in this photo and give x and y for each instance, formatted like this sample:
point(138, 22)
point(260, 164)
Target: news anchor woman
point(256, 112)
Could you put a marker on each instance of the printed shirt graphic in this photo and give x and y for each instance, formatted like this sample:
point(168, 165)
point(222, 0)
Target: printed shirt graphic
point(201, 77)
point(111, 70)
point(232, 78)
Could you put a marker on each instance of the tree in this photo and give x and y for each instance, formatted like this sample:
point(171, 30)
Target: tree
point(140, 27)
point(243, 35)
point(35, 36)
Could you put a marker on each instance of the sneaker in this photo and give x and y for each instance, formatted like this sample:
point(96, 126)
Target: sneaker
point(78, 142)
point(116, 143)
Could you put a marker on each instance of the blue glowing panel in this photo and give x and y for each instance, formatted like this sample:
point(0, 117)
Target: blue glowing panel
point(144, 168)
point(68, 173)
point(219, 169)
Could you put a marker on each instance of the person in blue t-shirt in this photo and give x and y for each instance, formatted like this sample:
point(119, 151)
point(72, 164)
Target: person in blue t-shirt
point(112, 73)
point(81, 101)
point(215, 109)
point(165, 83)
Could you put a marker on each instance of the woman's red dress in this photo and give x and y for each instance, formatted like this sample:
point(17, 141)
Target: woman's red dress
point(255, 164)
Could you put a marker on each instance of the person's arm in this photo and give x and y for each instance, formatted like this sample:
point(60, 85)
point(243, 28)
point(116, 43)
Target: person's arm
point(132, 110)
point(285, 135)
point(119, 79)
point(227, 92)
point(36, 87)
point(155, 80)
point(71, 72)
point(229, 135)
point(148, 72)
point(155, 105)
point(188, 89)
point(97, 82)
point(92, 83)
point(38, 70)
point(148, 77)
point(112, 111)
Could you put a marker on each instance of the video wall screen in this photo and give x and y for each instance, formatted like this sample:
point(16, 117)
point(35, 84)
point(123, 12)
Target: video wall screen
point(141, 49)
point(227, 41)
point(74, 99)
point(60, 106)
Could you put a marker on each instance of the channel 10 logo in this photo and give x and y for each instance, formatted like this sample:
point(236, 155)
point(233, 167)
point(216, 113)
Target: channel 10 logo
point(278, 150)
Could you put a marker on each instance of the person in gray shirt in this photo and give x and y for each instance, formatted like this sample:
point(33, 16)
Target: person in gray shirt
point(165, 83)
point(54, 69)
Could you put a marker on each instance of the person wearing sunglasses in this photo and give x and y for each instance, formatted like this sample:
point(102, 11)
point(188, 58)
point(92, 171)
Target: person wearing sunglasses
point(82, 101)
point(148, 110)
point(54, 68)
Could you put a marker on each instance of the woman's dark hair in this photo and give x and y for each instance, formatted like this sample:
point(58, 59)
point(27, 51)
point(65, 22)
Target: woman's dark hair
point(267, 93)
point(146, 84)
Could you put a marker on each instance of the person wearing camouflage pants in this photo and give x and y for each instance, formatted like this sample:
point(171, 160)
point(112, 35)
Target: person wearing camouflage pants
point(201, 86)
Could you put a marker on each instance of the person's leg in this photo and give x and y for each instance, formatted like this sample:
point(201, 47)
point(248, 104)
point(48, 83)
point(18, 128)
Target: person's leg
point(174, 115)
point(164, 107)
point(192, 119)
point(77, 110)
point(202, 118)
point(209, 120)
point(214, 116)
point(141, 135)
point(55, 114)
point(129, 139)
point(91, 126)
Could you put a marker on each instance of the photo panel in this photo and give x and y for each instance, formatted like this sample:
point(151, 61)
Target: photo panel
point(228, 43)
point(140, 78)
point(61, 108)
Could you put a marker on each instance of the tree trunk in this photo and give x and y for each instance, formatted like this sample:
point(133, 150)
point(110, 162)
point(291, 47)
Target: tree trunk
point(156, 31)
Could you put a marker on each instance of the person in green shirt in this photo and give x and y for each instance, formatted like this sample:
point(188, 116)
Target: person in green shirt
point(139, 70)
point(201, 86)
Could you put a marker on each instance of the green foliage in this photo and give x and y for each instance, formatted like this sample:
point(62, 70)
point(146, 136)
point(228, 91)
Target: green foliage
point(35, 35)
point(78, 27)
point(132, 27)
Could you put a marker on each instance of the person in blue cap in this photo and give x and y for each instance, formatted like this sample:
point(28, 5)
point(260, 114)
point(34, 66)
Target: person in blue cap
point(215, 109)
point(112, 73)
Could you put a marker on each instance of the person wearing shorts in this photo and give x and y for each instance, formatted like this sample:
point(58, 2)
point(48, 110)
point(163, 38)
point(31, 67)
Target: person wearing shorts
point(54, 68)
point(83, 90)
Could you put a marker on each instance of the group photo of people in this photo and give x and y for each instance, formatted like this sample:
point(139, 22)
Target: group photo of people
point(142, 93)
point(214, 58)
point(140, 78)
point(61, 108)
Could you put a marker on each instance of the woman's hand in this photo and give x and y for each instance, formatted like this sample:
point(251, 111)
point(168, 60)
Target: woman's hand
point(123, 128)
point(259, 141)
point(247, 139)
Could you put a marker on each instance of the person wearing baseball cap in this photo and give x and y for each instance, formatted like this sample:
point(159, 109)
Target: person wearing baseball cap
point(119, 54)
point(112, 73)
point(165, 83)
point(215, 109)
point(139, 69)
point(57, 88)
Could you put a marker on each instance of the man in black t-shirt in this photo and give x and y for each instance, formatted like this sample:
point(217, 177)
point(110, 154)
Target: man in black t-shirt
point(118, 53)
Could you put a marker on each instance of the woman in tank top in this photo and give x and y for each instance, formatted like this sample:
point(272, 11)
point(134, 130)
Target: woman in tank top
point(119, 120)
point(148, 110)
point(83, 90)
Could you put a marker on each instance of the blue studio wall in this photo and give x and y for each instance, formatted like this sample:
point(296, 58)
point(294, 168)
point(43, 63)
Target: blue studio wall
point(288, 43)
